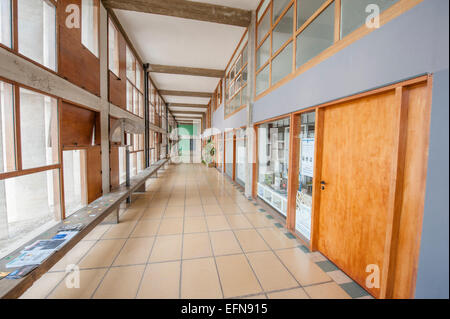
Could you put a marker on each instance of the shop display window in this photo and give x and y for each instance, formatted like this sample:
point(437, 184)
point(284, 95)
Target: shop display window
point(273, 162)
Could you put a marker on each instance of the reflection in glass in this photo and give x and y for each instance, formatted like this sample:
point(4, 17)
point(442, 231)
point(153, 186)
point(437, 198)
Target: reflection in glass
point(282, 64)
point(306, 175)
point(278, 8)
point(283, 30)
point(264, 27)
point(273, 162)
point(262, 80)
point(354, 14)
point(305, 9)
point(316, 37)
point(38, 129)
point(263, 53)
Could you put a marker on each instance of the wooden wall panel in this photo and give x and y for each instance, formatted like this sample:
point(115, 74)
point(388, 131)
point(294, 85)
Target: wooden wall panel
point(407, 249)
point(118, 85)
point(77, 125)
point(75, 62)
point(94, 173)
point(114, 167)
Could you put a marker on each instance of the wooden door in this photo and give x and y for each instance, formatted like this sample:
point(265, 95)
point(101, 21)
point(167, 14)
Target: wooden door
point(359, 140)
point(114, 167)
point(94, 173)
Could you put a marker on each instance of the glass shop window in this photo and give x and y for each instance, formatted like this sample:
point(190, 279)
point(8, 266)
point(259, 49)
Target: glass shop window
point(273, 163)
point(306, 175)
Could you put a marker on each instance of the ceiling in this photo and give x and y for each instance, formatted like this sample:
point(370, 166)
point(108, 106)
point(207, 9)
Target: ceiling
point(182, 42)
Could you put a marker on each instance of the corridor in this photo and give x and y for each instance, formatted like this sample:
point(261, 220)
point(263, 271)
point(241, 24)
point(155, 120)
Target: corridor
point(193, 235)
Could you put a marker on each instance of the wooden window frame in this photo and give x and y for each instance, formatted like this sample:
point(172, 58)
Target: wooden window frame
point(389, 14)
point(238, 73)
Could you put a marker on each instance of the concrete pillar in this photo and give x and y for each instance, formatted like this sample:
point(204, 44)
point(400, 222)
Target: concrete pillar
point(104, 107)
point(250, 92)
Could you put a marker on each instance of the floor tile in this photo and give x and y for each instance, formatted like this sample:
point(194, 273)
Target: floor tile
point(250, 240)
point(259, 220)
point(328, 290)
point(175, 211)
point(88, 282)
point(327, 266)
point(304, 270)
point(73, 256)
point(97, 232)
point(120, 283)
point(166, 248)
point(354, 290)
point(238, 222)
point(236, 276)
point(171, 226)
point(153, 212)
point(160, 281)
point(270, 271)
point(135, 251)
point(216, 223)
point(196, 246)
point(200, 280)
point(339, 277)
point(146, 228)
point(42, 287)
point(102, 254)
point(121, 230)
point(193, 211)
point(212, 210)
point(195, 225)
point(224, 243)
point(297, 293)
point(276, 238)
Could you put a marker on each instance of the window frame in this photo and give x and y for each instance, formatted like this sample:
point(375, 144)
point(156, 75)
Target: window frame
point(96, 25)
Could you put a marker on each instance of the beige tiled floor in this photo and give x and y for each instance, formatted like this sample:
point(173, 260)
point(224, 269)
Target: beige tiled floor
point(191, 235)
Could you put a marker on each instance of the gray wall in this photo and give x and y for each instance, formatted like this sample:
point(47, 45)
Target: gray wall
point(432, 279)
point(415, 43)
point(235, 121)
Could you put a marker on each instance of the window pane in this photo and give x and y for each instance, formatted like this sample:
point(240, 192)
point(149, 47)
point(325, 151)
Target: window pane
point(5, 22)
point(131, 66)
point(122, 165)
point(278, 8)
point(264, 27)
point(318, 36)
point(37, 31)
point(263, 8)
point(113, 49)
point(75, 195)
point(7, 139)
point(354, 13)
point(141, 105)
point(89, 26)
point(283, 30)
point(282, 64)
point(263, 54)
point(129, 97)
point(306, 8)
point(38, 129)
point(138, 76)
point(262, 80)
point(135, 102)
point(25, 219)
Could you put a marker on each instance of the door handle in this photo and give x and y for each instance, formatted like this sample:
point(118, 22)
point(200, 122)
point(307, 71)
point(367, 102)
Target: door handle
point(323, 185)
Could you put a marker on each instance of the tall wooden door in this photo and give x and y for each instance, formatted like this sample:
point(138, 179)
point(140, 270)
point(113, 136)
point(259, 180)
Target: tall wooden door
point(359, 140)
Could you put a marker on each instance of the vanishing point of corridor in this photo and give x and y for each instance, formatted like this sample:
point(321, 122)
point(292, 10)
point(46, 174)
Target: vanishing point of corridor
point(194, 234)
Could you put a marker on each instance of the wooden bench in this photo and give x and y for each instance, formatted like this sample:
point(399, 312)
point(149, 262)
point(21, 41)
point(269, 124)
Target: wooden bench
point(91, 216)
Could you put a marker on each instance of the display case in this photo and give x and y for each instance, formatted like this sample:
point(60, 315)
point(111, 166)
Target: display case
point(241, 156)
point(229, 153)
point(273, 163)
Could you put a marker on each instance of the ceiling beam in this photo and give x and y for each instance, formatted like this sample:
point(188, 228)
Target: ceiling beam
point(203, 106)
point(186, 93)
point(185, 9)
point(169, 69)
point(188, 112)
